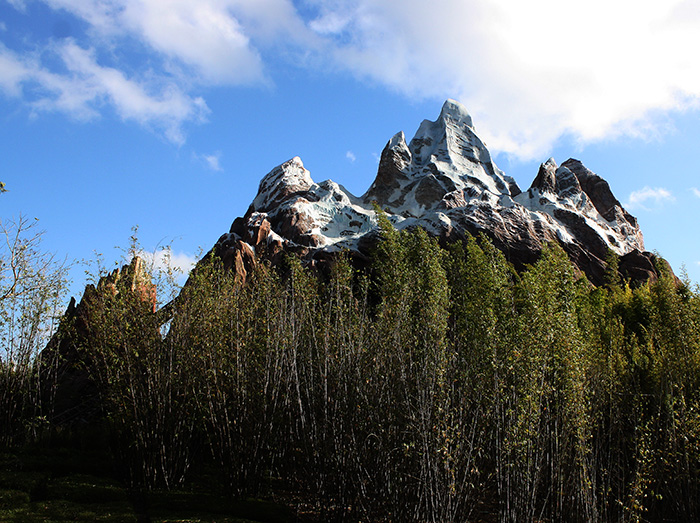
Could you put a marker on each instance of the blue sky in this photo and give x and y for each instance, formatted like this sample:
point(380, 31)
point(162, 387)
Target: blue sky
point(165, 114)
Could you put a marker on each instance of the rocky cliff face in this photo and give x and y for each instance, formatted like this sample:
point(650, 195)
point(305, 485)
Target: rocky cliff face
point(66, 360)
point(445, 181)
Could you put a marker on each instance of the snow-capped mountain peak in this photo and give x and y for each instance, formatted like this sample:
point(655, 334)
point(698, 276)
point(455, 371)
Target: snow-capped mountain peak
point(278, 184)
point(445, 181)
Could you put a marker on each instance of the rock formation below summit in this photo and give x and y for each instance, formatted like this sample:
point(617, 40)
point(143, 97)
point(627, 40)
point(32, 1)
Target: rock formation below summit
point(445, 181)
point(67, 359)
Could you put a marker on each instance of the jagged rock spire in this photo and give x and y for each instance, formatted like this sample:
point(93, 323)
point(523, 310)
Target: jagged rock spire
point(445, 181)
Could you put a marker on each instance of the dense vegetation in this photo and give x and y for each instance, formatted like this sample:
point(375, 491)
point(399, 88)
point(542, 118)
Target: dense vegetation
point(439, 385)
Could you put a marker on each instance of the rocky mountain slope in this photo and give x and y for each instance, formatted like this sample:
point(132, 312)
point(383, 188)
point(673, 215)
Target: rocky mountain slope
point(445, 181)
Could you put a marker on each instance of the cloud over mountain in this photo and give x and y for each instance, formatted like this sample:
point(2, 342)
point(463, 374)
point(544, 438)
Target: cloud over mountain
point(529, 72)
point(654, 196)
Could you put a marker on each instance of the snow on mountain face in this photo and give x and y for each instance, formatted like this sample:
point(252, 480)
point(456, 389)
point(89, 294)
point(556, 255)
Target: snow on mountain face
point(443, 157)
point(445, 181)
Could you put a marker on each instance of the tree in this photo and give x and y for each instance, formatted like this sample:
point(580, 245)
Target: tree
point(33, 286)
point(411, 358)
point(548, 437)
point(228, 334)
point(144, 382)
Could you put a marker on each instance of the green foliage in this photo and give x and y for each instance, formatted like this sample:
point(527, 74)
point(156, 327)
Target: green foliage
point(32, 289)
point(437, 385)
point(549, 424)
point(144, 383)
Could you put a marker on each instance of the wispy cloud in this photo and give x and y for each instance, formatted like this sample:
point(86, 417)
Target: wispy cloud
point(203, 35)
point(649, 198)
point(86, 87)
point(350, 156)
point(212, 161)
point(518, 68)
point(165, 260)
point(20, 5)
point(515, 65)
point(180, 46)
point(695, 191)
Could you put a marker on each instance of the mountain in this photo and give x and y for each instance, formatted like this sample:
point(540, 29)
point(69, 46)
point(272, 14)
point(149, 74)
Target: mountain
point(65, 366)
point(445, 181)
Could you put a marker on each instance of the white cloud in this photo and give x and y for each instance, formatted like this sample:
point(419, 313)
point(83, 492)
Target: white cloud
point(211, 38)
point(528, 71)
point(164, 260)
point(20, 5)
point(13, 72)
point(350, 156)
point(657, 196)
point(180, 46)
point(212, 161)
point(86, 86)
point(181, 261)
point(696, 191)
point(330, 23)
point(201, 34)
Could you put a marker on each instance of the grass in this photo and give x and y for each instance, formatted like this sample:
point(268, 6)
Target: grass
point(59, 485)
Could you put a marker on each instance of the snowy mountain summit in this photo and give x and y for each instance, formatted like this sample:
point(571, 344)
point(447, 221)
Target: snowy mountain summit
point(445, 181)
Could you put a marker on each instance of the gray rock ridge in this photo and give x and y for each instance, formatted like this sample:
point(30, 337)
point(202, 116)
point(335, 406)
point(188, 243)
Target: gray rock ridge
point(445, 181)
